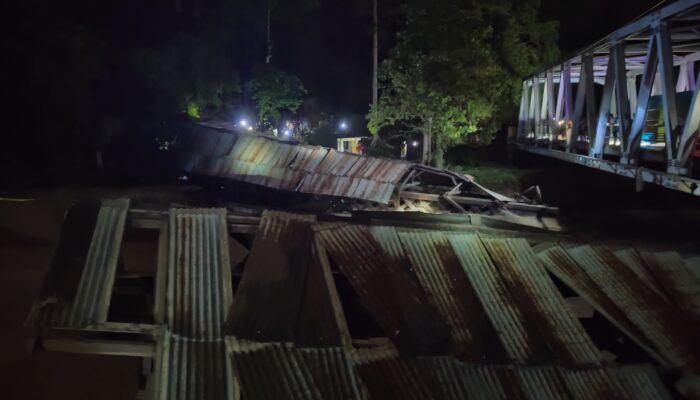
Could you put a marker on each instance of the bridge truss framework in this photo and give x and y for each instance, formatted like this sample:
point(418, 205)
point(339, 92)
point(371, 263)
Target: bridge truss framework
point(565, 109)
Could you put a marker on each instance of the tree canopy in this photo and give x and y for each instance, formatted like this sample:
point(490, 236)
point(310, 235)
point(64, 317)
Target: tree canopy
point(457, 66)
point(274, 91)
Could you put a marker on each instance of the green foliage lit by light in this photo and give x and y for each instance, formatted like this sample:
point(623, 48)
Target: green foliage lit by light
point(457, 68)
point(274, 90)
point(192, 109)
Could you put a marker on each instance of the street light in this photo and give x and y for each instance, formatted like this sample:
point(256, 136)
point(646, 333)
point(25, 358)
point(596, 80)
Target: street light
point(415, 143)
point(243, 122)
point(343, 125)
point(286, 132)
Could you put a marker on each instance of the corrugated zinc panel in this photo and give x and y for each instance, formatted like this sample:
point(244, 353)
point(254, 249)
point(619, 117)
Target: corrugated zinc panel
point(194, 369)
point(91, 302)
point(593, 384)
point(334, 373)
point(541, 301)
point(266, 305)
point(499, 304)
point(321, 321)
point(199, 276)
point(388, 376)
point(677, 280)
point(390, 293)
point(271, 371)
point(652, 314)
point(633, 260)
point(641, 382)
point(564, 267)
point(440, 273)
point(541, 383)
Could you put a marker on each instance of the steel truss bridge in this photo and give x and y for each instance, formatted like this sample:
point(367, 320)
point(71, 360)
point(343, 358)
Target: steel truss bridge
point(627, 104)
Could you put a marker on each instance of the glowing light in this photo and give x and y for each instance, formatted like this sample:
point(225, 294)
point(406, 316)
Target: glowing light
point(243, 122)
point(250, 128)
point(286, 132)
point(343, 125)
point(415, 143)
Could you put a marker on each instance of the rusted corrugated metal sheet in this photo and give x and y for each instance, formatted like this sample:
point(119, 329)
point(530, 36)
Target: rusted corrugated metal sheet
point(90, 304)
point(321, 321)
point(651, 313)
point(563, 266)
point(430, 257)
point(199, 290)
point(541, 302)
point(194, 369)
point(641, 382)
point(268, 162)
point(593, 384)
point(633, 260)
point(677, 280)
point(391, 294)
point(521, 345)
point(388, 376)
point(267, 301)
point(334, 373)
point(541, 383)
point(271, 371)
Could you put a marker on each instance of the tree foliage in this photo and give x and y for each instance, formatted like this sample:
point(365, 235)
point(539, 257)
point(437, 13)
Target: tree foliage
point(274, 91)
point(457, 66)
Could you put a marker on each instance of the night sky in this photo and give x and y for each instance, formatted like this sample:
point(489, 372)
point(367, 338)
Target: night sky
point(330, 49)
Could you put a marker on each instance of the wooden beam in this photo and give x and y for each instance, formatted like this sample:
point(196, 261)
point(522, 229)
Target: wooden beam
point(161, 273)
point(338, 313)
point(100, 347)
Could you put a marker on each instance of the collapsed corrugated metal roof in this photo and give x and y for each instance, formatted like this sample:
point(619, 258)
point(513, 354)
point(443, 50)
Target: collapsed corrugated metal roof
point(458, 315)
point(89, 303)
point(268, 162)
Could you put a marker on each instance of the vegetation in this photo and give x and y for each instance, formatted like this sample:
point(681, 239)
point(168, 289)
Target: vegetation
point(274, 91)
point(457, 66)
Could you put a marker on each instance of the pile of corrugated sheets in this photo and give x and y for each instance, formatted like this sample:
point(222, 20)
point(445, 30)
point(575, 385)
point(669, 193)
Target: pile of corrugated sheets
point(307, 169)
point(458, 315)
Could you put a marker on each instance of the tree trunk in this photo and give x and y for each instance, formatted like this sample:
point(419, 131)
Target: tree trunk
point(268, 57)
point(427, 141)
point(375, 54)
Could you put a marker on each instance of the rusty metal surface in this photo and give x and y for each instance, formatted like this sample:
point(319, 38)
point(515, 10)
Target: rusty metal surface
point(677, 280)
point(190, 369)
point(271, 371)
point(268, 162)
point(641, 382)
point(90, 304)
point(633, 260)
point(321, 321)
point(593, 384)
point(267, 301)
point(507, 318)
point(198, 293)
point(334, 373)
point(435, 264)
point(390, 293)
point(651, 313)
point(541, 383)
point(541, 302)
point(388, 376)
point(563, 266)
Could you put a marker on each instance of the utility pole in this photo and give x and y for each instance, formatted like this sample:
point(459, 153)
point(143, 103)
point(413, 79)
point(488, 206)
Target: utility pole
point(268, 56)
point(375, 53)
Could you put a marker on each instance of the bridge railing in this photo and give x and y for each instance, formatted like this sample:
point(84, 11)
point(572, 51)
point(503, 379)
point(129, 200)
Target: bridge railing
point(604, 101)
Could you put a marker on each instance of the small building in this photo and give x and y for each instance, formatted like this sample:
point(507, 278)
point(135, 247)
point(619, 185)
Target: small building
point(349, 144)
